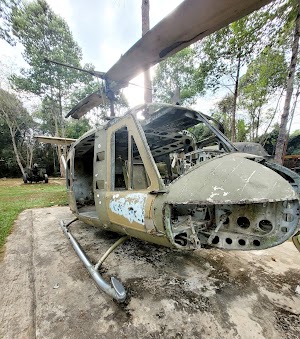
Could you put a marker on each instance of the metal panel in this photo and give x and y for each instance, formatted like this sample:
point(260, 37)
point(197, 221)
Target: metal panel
point(191, 21)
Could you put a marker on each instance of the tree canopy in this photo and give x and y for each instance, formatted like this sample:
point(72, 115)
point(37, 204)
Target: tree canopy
point(178, 78)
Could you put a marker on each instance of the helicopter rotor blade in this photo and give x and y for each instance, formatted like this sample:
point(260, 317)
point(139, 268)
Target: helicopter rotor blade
point(54, 140)
point(191, 21)
point(91, 72)
point(91, 101)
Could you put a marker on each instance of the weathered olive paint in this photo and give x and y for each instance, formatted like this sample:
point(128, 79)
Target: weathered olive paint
point(224, 182)
point(230, 179)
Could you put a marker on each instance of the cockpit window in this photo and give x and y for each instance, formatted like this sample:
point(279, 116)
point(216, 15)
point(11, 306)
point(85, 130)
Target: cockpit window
point(180, 138)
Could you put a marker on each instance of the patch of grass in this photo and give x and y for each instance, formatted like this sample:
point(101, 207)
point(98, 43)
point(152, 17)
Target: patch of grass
point(15, 197)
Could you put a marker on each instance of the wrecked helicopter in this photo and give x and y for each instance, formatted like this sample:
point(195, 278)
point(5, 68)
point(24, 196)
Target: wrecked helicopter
point(145, 175)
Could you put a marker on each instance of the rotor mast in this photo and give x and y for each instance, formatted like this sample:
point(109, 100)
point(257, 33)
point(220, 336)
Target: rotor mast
point(145, 29)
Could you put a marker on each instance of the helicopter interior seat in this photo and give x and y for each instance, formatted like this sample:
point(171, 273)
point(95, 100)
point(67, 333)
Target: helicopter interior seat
point(120, 174)
point(140, 179)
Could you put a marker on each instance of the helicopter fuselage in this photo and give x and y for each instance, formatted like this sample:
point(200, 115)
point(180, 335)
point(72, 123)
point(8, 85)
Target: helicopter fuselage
point(145, 175)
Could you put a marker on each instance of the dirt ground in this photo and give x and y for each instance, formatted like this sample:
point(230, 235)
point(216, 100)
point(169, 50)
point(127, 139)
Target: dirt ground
point(45, 291)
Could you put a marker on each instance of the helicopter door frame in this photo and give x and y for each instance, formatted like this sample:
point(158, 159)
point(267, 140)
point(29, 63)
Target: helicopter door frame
point(70, 180)
point(126, 204)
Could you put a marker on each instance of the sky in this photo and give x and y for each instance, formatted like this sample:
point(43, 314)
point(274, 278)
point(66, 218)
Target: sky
point(106, 29)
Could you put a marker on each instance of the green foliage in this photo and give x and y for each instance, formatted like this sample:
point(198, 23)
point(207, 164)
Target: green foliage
point(7, 158)
point(223, 113)
point(292, 29)
point(83, 89)
point(269, 140)
point(265, 75)
point(45, 35)
point(242, 130)
point(178, 73)
point(19, 124)
point(227, 50)
point(76, 128)
point(285, 16)
point(200, 131)
point(6, 7)
point(294, 143)
point(13, 112)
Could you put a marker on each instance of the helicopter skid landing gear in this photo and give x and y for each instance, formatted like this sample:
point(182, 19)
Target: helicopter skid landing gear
point(296, 240)
point(117, 290)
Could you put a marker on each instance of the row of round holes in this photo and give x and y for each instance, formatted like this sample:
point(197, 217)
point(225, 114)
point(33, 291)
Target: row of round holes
point(242, 242)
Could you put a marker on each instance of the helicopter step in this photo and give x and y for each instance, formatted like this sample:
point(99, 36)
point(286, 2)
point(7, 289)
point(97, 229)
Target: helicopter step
point(116, 290)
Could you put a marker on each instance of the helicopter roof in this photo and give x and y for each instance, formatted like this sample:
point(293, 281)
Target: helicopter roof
point(163, 124)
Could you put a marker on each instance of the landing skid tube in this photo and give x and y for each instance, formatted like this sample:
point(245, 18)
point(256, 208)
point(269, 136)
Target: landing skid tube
point(296, 240)
point(117, 290)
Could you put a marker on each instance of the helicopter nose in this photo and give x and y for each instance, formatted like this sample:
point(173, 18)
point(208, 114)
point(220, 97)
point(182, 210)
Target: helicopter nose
point(230, 202)
point(230, 179)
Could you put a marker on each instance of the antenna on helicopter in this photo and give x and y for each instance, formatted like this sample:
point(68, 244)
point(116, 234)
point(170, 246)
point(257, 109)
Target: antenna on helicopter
point(101, 75)
point(97, 74)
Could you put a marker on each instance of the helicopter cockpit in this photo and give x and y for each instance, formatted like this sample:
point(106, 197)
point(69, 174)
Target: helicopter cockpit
point(179, 138)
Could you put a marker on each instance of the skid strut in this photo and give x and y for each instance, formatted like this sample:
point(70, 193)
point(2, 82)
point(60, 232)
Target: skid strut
point(117, 290)
point(296, 240)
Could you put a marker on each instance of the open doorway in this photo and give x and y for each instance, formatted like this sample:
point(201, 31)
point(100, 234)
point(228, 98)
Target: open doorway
point(83, 176)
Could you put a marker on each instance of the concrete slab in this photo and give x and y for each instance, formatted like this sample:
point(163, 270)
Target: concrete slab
point(45, 292)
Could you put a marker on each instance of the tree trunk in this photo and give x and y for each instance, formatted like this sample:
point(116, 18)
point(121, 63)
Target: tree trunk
point(175, 100)
point(291, 121)
point(62, 148)
point(257, 124)
point(31, 156)
point(62, 123)
point(13, 134)
point(145, 29)
point(279, 152)
point(57, 118)
point(233, 129)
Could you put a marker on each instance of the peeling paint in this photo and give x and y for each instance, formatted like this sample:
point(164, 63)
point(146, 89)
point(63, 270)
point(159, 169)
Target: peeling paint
point(99, 145)
point(212, 195)
point(215, 188)
point(131, 207)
